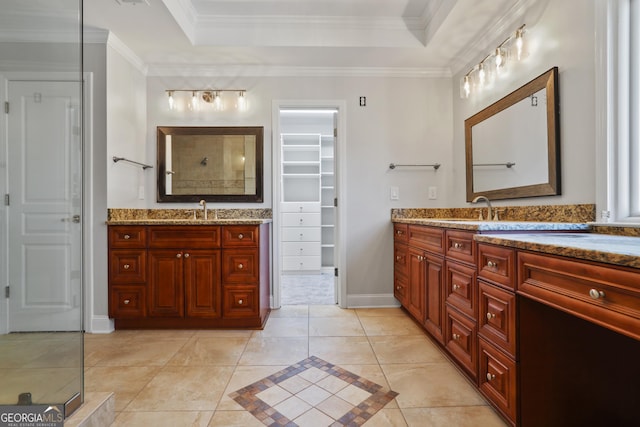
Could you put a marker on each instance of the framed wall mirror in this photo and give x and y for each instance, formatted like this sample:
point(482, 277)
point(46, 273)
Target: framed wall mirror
point(217, 164)
point(513, 146)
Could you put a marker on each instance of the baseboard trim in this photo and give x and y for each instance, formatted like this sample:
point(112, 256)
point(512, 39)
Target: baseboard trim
point(101, 325)
point(372, 301)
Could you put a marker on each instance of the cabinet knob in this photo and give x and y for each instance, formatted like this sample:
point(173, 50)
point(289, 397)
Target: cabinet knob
point(240, 302)
point(301, 220)
point(126, 302)
point(240, 236)
point(240, 266)
point(596, 294)
point(398, 288)
point(186, 255)
point(126, 266)
point(456, 336)
point(127, 237)
point(398, 257)
point(301, 236)
point(492, 264)
point(455, 287)
point(458, 245)
point(490, 316)
point(399, 232)
point(490, 376)
point(178, 255)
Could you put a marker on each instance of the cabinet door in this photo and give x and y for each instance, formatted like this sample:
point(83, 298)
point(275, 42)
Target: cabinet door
point(127, 266)
point(127, 302)
point(497, 319)
point(415, 298)
point(497, 378)
point(434, 307)
point(202, 283)
point(461, 340)
point(166, 283)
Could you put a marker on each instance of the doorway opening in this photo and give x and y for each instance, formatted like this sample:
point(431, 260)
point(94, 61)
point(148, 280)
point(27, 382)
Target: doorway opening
point(306, 206)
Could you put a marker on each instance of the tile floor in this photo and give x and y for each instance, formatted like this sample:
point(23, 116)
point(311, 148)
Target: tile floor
point(307, 289)
point(190, 378)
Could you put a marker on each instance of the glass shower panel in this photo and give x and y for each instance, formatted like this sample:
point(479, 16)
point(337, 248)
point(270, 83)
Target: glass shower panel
point(41, 158)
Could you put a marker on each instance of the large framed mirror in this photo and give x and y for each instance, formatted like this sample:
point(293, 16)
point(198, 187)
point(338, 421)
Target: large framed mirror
point(217, 164)
point(513, 146)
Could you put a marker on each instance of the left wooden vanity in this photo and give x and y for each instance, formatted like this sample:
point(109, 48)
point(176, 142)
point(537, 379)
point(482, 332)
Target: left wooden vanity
point(189, 276)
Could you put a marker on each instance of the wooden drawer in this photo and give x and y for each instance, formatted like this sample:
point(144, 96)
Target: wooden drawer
point(400, 288)
point(184, 236)
point(240, 266)
point(428, 238)
point(461, 340)
point(300, 234)
point(240, 236)
point(127, 266)
point(461, 287)
point(460, 246)
point(400, 259)
point(127, 236)
point(497, 264)
point(497, 379)
point(127, 302)
point(240, 301)
point(301, 219)
point(605, 295)
point(301, 248)
point(497, 316)
point(401, 232)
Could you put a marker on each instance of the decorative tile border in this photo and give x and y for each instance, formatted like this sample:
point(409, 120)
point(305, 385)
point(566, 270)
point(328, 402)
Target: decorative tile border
point(357, 416)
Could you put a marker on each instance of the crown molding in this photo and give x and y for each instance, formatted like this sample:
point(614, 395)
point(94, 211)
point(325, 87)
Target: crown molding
point(116, 44)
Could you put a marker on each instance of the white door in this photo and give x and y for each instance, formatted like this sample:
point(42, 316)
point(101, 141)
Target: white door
point(45, 188)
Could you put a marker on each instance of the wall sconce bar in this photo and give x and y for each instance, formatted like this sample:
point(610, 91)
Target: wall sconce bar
point(435, 166)
point(210, 96)
point(144, 166)
point(508, 164)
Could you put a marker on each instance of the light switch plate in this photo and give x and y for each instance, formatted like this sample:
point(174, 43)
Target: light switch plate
point(394, 193)
point(433, 193)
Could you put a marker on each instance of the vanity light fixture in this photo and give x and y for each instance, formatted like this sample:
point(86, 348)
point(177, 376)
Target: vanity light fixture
point(494, 64)
point(209, 96)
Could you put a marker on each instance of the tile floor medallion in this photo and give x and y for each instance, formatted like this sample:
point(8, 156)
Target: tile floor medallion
point(313, 388)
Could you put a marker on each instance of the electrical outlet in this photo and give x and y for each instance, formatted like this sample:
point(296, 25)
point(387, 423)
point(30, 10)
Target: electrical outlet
point(394, 193)
point(433, 193)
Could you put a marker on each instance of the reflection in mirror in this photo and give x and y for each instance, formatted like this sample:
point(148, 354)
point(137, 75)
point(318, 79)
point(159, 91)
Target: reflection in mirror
point(512, 146)
point(210, 163)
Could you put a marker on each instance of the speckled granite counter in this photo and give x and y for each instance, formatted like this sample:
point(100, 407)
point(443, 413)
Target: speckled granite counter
point(186, 216)
point(610, 249)
point(484, 226)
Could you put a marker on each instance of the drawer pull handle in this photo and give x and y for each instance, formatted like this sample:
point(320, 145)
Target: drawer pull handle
point(456, 337)
point(127, 237)
point(186, 255)
point(126, 302)
point(240, 302)
point(126, 266)
point(178, 255)
point(490, 376)
point(492, 264)
point(240, 266)
point(490, 316)
point(596, 294)
point(240, 236)
point(458, 245)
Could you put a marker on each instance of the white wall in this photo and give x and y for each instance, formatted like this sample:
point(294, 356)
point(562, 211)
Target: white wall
point(564, 37)
point(406, 120)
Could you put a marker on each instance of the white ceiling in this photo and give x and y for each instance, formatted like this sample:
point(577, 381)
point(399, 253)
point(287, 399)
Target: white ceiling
point(410, 37)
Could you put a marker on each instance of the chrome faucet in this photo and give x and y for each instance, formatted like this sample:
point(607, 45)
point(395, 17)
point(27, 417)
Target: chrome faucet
point(203, 203)
point(489, 209)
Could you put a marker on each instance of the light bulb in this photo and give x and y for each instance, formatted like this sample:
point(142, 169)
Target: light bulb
point(194, 101)
point(499, 58)
point(482, 75)
point(465, 90)
point(217, 101)
point(172, 104)
point(242, 101)
point(519, 44)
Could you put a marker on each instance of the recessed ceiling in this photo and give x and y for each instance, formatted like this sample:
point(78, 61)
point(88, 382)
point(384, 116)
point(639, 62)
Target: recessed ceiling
point(400, 36)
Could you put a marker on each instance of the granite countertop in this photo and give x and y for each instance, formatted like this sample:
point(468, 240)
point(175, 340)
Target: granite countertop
point(610, 249)
point(474, 225)
point(177, 221)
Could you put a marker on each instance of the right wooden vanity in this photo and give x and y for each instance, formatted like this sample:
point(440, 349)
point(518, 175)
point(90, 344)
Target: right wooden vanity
point(545, 324)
